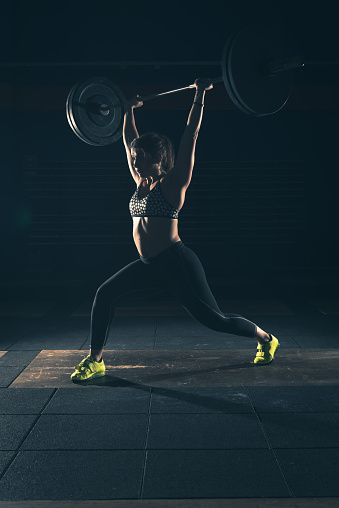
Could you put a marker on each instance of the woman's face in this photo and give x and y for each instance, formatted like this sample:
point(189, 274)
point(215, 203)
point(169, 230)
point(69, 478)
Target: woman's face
point(143, 162)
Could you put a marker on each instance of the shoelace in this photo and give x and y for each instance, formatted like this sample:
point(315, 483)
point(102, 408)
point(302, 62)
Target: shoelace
point(261, 349)
point(83, 366)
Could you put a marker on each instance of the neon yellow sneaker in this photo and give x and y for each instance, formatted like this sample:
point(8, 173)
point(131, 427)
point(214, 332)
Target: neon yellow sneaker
point(88, 369)
point(265, 352)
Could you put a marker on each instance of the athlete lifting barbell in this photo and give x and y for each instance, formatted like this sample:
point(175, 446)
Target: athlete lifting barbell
point(99, 114)
point(164, 263)
point(252, 65)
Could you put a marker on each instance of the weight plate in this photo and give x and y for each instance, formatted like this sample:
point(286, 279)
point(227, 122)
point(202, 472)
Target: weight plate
point(243, 55)
point(226, 78)
point(70, 118)
point(85, 118)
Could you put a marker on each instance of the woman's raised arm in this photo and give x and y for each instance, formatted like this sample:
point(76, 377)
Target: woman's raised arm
point(130, 132)
point(181, 173)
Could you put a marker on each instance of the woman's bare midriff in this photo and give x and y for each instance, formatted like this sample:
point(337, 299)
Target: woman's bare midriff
point(152, 235)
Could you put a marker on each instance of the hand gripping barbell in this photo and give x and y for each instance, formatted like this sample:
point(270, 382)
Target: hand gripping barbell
point(255, 71)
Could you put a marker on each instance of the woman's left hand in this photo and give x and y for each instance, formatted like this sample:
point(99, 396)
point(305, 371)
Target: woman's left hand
point(203, 84)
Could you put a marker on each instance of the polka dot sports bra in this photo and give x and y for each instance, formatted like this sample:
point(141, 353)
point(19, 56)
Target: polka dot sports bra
point(152, 205)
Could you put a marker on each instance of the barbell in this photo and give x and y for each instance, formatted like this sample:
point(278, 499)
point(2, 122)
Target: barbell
point(255, 71)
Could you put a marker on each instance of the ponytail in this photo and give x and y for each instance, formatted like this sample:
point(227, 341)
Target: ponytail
point(156, 144)
point(168, 163)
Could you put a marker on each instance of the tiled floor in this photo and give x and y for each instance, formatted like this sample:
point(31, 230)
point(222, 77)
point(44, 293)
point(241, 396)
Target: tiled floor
point(183, 418)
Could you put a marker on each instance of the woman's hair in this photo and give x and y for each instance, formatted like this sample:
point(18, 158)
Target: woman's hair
point(155, 144)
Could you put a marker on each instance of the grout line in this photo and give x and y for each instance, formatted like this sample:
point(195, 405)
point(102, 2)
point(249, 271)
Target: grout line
point(16, 377)
point(18, 450)
point(143, 472)
point(269, 445)
point(155, 332)
point(25, 332)
point(301, 307)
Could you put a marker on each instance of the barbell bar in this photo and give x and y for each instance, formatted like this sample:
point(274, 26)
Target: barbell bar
point(104, 107)
point(255, 71)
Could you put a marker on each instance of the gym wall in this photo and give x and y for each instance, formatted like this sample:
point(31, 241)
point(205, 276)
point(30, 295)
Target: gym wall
point(263, 195)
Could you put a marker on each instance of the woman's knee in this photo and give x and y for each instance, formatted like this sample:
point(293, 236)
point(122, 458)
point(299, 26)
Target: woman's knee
point(106, 293)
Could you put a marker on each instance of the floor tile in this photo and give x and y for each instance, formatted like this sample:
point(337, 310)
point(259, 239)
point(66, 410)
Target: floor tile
point(5, 458)
point(181, 326)
point(13, 429)
point(301, 430)
point(262, 502)
point(61, 320)
point(205, 432)
point(217, 341)
point(62, 334)
point(47, 342)
point(24, 400)
point(57, 328)
point(317, 340)
point(25, 308)
point(179, 474)
point(127, 326)
point(301, 399)
point(200, 400)
point(254, 307)
point(205, 340)
point(267, 502)
point(98, 432)
point(8, 375)
point(5, 344)
point(13, 327)
point(119, 400)
point(322, 330)
point(128, 344)
point(201, 388)
point(303, 367)
point(139, 307)
point(18, 358)
point(296, 325)
point(89, 474)
point(311, 473)
point(151, 309)
point(326, 306)
point(84, 309)
point(144, 341)
point(163, 307)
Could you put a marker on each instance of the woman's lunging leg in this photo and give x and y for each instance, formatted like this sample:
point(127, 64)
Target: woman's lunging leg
point(135, 277)
point(186, 279)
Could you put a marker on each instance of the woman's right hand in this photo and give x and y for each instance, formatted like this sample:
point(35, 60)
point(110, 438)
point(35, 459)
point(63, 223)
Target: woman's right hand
point(134, 102)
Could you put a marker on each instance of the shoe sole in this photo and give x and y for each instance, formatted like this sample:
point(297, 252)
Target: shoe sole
point(267, 363)
point(88, 378)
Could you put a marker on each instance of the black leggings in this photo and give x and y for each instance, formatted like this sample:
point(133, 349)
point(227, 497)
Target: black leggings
point(176, 269)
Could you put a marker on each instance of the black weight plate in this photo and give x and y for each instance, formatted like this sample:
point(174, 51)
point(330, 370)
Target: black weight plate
point(83, 111)
point(243, 54)
point(80, 111)
point(226, 78)
point(70, 118)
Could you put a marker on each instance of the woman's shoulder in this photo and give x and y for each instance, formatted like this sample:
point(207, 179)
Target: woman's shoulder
point(174, 194)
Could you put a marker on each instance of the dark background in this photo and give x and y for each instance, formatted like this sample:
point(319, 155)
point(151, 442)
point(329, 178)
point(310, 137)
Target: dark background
point(262, 209)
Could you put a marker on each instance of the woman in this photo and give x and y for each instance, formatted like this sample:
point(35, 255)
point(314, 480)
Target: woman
point(165, 262)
